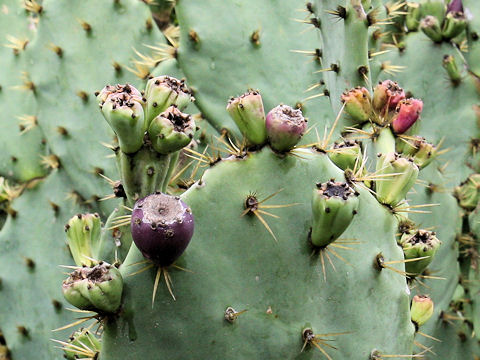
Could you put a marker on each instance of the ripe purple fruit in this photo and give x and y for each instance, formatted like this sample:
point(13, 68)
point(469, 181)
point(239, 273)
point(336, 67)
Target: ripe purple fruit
point(162, 226)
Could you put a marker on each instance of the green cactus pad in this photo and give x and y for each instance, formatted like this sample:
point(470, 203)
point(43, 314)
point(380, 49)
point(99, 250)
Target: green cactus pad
point(253, 270)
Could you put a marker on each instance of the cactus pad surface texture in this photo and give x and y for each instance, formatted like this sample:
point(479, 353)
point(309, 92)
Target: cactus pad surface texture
point(240, 179)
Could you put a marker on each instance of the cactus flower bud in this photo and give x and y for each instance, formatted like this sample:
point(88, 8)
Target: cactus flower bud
point(407, 113)
point(82, 344)
point(417, 244)
point(123, 111)
point(285, 127)
point(455, 6)
point(171, 130)
point(417, 148)
point(431, 27)
point(83, 237)
point(345, 154)
point(162, 226)
point(248, 113)
point(450, 65)
point(358, 104)
point(162, 92)
point(421, 310)
point(97, 288)
point(425, 154)
point(455, 22)
point(334, 205)
point(412, 19)
point(386, 96)
point(391, 190)
point(468, 192)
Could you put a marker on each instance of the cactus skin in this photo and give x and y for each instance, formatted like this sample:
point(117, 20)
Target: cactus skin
point(68, 103)
point(21, 163)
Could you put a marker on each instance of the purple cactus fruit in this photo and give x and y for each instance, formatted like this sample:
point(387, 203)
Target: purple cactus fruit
point(285, 127)
point(162, 226)
point(455, 6)
point(408, 112)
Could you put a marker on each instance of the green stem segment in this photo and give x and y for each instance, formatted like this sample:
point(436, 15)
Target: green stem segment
point(355, 64)
point(171, 168)
point(385, 141)
point(349, 63)
point(143, 173)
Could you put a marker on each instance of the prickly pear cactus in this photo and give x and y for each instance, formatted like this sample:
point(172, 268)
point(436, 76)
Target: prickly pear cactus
point(305, 234)
point(48, 89)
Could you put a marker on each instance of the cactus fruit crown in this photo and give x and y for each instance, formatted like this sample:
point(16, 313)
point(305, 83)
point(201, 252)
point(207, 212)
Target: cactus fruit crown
point(338, 189)
point(288, 114)
point(179, 120)
point(159, 210)
point(345, 144)
point(96, 274)
point(233, 99)
point(174, 84)
point(422, 237)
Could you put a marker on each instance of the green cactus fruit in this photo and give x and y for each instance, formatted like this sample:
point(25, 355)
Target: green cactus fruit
point(248, 113)
point(417, 244)
point(358, 104)
point(421, 309)
point(391, 190)
point(334, 204)
point(162, 92)
point(83, 237)
point(412, 18)
point(82, 344)
point(346, 154)
point(431, 27)
point(123, 110)
point(98, 288)
point(467, 193)
point(171, 130)
point(285, 127)
point(455, 23)
point(450, 65)
point(417, 148)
